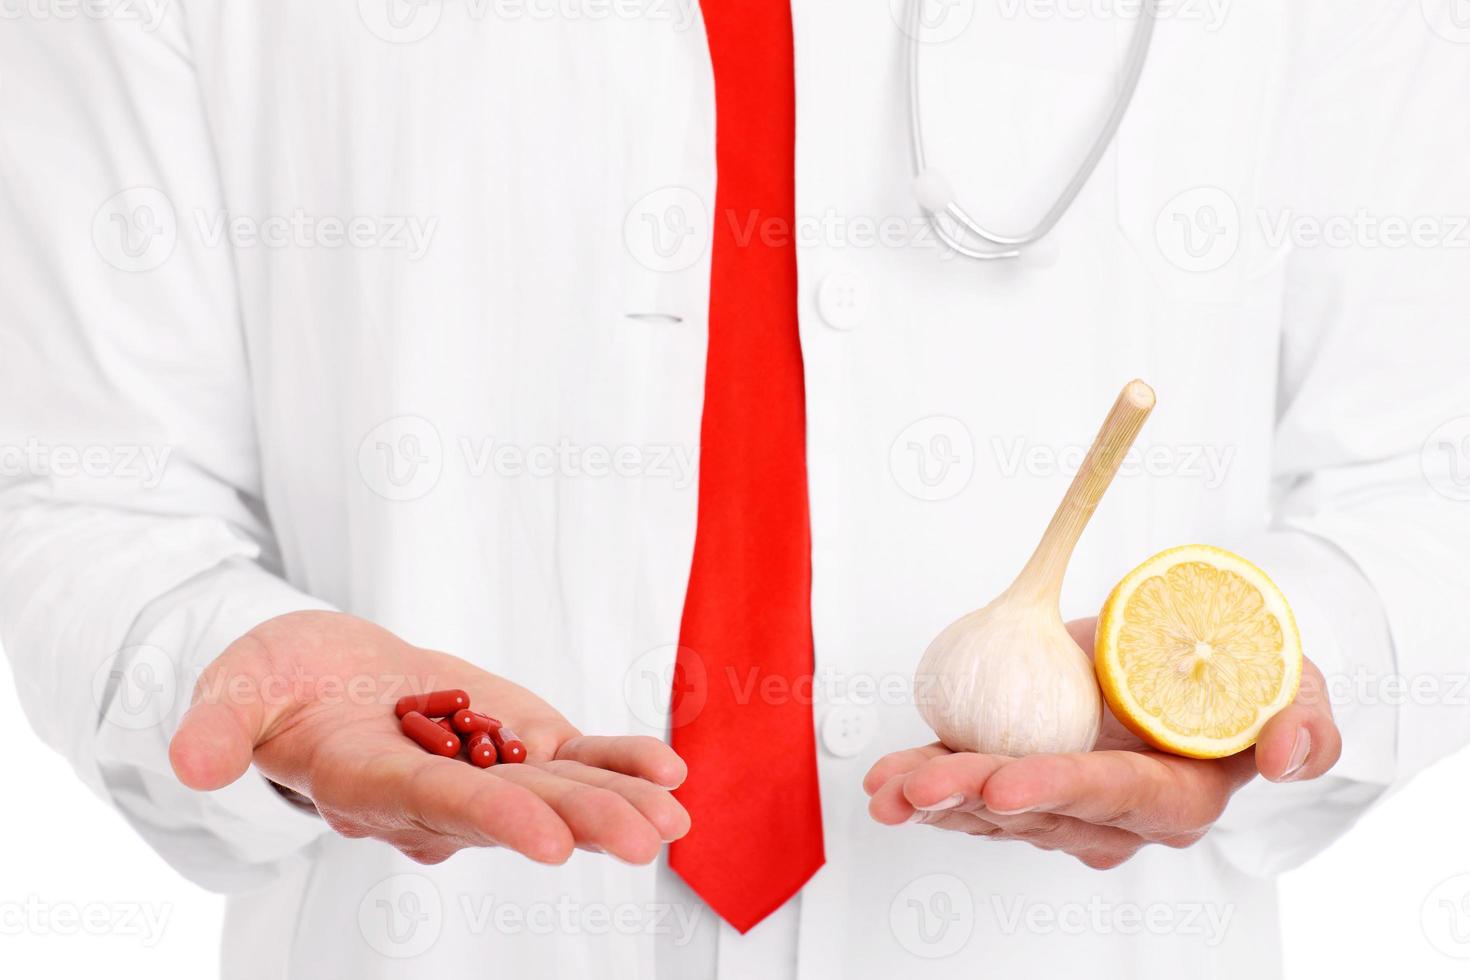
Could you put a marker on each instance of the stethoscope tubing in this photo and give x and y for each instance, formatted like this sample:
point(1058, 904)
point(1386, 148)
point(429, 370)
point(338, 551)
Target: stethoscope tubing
point(997, 245)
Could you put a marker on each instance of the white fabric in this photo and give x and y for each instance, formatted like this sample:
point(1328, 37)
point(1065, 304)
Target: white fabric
point(331, 413)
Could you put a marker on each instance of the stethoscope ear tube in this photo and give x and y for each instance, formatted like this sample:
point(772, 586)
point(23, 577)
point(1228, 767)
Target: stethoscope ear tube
point(936, 195)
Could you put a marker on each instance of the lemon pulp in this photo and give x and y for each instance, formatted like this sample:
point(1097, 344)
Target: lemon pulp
point(1196, 649)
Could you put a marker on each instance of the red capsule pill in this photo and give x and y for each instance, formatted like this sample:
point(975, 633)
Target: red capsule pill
point(430, 735)
point(482, 750)
point(435, 704)
point(467, 722)
point(445, 724)
point(507, 744)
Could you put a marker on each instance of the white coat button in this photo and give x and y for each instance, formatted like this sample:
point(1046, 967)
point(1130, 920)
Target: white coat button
point(843, 300)
point(847, 730)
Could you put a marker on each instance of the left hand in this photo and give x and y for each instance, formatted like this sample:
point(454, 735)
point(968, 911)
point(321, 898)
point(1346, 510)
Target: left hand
point(1100, 806)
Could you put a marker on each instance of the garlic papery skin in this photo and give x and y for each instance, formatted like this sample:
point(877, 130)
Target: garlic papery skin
point(1009, 679)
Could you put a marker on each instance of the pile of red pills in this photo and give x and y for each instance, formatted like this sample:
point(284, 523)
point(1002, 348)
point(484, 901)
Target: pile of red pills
point(442, 722)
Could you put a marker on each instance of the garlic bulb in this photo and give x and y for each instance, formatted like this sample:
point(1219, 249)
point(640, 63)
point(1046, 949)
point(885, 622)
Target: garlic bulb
point(1009, 679)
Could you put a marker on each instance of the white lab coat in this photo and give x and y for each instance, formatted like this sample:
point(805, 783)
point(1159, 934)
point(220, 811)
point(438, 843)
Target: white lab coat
point(475, 421)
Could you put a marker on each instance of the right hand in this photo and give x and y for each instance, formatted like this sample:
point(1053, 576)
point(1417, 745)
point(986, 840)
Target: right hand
point(282, 697)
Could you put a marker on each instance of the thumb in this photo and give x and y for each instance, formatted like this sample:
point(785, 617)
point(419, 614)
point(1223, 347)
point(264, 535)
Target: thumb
point(216, 739)
point(1302, 741)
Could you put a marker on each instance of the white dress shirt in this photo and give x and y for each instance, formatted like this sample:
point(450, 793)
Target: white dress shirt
point(400, 309)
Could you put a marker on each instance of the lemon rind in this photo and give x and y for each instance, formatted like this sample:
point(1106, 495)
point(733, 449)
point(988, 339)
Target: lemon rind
point(1131, 714)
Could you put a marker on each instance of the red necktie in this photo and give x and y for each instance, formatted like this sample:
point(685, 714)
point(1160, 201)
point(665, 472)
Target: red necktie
point(752, 787)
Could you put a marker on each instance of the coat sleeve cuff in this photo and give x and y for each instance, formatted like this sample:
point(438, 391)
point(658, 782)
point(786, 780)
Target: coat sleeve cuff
point(225, 839)
point(1272, 827)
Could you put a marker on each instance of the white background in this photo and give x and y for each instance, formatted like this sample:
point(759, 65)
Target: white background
point(1369, 906)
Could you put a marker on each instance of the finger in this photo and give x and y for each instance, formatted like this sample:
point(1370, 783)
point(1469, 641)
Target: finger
point(1151, 794)
point(216, 738)
point(599, 819)
point(421, 847)
point(1302, 741)
point(899, 762)
point(633, 755)
point(1098, 847)
point(1083, 632)
point(950, 781)
point(1049, 831)
point(444, 797)
point(1094, 844)
point(658, 805)
point(962, 822)
point(888, 806)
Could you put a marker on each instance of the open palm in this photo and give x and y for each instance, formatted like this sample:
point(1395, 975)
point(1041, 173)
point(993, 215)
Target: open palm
point(307, 698)
point(1100, 806)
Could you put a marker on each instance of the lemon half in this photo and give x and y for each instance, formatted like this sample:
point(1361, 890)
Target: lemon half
point(1196, 650)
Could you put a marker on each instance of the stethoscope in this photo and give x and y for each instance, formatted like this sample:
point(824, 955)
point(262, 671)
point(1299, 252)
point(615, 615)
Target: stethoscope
point(934, 192)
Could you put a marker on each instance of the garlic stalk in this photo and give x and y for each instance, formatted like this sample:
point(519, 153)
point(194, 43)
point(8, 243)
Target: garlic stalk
point(1008, 679)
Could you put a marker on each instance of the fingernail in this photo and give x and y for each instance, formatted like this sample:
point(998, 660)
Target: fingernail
point(1012, 813)
point(949, 802)
point(915, 817)
point(1299, 751)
